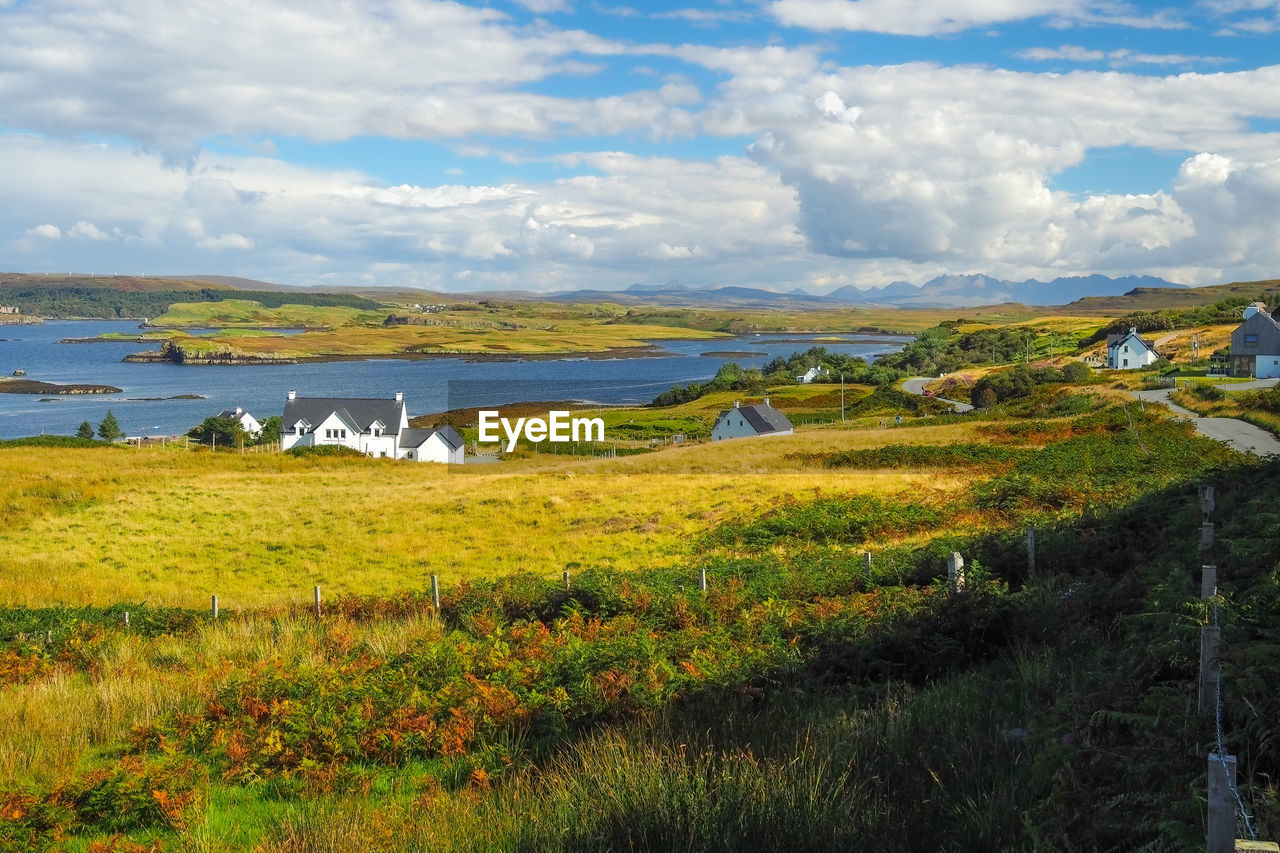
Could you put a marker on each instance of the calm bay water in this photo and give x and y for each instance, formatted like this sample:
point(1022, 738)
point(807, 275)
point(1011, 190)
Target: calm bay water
point(429, 385)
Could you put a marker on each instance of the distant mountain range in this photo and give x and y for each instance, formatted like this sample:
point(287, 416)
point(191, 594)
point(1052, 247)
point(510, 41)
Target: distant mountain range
point(946, 291)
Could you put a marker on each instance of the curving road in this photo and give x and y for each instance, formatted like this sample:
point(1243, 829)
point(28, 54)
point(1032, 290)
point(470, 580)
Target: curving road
point(1241, 436)
point(915, 385)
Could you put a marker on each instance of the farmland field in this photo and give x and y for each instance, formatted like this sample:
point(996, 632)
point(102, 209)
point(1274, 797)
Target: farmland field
point(806, 700)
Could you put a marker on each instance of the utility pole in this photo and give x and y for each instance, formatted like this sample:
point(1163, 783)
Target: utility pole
point(841, 398)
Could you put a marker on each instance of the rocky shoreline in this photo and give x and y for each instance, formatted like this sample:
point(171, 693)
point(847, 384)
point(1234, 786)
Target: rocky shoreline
point(175, 355)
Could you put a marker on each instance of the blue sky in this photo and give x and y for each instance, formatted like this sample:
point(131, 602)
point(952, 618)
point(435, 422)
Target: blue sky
point(556, 144)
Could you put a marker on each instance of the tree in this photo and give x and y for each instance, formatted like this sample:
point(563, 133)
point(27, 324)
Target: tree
point(109, 428)
point(85, 431)
point(270, 430)
point(220, 432)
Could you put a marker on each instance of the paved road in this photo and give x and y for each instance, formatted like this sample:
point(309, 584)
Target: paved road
point(1242, 436)
point(916, 384)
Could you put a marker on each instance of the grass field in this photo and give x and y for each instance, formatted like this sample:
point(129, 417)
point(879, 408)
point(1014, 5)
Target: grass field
point(173, 527)
point(800, 703)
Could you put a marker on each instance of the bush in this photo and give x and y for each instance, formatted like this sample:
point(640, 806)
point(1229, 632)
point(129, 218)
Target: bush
point(1207, 392)
point(1076, 372)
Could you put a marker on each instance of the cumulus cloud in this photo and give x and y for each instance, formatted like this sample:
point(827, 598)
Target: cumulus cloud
point(46, 232)
point(267, 218)
point(324, 71)
point(1123, 56)
point(933, 17)
point(86, 231)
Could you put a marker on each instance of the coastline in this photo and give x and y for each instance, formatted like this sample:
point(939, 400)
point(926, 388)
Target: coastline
point(614, 353)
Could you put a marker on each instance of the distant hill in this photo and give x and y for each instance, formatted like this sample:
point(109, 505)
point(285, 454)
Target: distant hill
point(128, 297)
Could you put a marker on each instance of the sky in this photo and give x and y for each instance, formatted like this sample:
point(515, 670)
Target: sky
point(551, 145)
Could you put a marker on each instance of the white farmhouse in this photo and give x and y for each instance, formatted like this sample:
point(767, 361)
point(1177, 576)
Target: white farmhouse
point(757, 419)
point(1129, 352)
point(247, 422)
point(376, 427)
point(813, 374)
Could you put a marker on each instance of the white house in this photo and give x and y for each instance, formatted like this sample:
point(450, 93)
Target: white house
point(757, 419)
point(813, 374)
point(441, 444)
point(1128, 351)
point(247, 422)
point(376, 427)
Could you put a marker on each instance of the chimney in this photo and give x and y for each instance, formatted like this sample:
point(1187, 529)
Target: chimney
point(766, 401)
point(239, 411)
point(736, 404)
point(399, 396)
point(293, 395)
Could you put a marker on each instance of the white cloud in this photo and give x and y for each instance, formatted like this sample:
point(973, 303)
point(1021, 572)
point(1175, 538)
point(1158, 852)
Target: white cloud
point(544, 7)
point(934, 17)
point(86, 231)
point(324, 71)
point(225, 241)
point(46, 232)
point(1123, 56)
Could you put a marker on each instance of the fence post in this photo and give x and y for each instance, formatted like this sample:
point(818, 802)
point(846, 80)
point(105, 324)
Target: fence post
point(317, 597)
point(1208, 581)
point(1206, 502)
point(868, 568)
point(126, 618)
point(566, 579)
point(955, 571)
point(1206, 537)
point(1031, 552)
point(1222, 806)
point(213, 606)
point(702, 580)
point(1210, 637)
point(435, 593)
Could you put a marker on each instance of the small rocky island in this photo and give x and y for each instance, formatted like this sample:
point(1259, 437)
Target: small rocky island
point(32, 386)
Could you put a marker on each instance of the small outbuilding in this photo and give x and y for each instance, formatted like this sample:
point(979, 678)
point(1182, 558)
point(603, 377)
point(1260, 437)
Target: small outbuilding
point(757, 419)
point(442, 444)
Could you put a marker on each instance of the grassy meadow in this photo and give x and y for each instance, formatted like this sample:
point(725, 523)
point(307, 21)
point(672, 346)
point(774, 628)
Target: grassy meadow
point(173, 527)
point(807, 699)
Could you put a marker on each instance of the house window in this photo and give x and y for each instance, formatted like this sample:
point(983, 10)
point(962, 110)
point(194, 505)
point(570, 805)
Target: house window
point(335, 433)
point(1251, 340)
point(1126, 362)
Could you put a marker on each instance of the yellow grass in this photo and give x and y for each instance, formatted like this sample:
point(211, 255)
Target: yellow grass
point(168, 527)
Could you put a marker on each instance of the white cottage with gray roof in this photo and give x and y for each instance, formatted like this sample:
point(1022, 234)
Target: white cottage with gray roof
point(757, 419)
point(376, 427)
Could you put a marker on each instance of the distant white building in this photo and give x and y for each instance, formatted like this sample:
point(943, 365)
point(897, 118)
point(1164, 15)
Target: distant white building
point(813, 374)
point(247, 422)
point(757, 419)
point(1128, 351)
point(376, 427)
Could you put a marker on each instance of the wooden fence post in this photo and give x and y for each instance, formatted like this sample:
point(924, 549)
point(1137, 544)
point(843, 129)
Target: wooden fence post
point(1222, 806)
point(702, 580)
point(213, 606)
point(868, 568)
point(1206, 537)
point(1208, 581)
point(126, 618)
point(317, 597)
point(435, 593)
point(566, 579)
point(1210, 637)
point(955, 571)
point(1206, 502)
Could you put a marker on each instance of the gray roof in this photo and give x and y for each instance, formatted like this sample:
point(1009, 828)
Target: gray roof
point(1112, 340)
point(762, 417)
point(358, 412)
point(415, 437)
